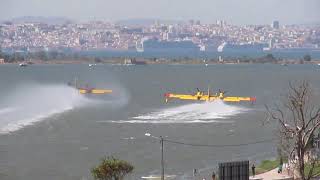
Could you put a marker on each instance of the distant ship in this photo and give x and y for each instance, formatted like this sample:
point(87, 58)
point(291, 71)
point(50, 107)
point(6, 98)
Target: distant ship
point(202, 47)
point(23, 64)
point(134, 62)
point(256, 47)
point(139, 45)
point(91, 65)
point(221, 47)
point(155, 45)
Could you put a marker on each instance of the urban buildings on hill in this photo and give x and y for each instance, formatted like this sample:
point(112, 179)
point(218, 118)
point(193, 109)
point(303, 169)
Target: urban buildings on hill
point(191, 35)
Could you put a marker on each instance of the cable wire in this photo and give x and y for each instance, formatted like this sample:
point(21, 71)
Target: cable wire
point(222, 145)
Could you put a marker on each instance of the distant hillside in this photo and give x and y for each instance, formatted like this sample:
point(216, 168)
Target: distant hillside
point(146, 22)
point(47, 20)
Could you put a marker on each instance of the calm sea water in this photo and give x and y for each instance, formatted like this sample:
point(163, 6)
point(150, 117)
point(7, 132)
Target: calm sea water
point(49, 131)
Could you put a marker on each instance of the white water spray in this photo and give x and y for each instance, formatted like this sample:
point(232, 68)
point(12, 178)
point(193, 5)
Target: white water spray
point(29, 104)
point(207, 112)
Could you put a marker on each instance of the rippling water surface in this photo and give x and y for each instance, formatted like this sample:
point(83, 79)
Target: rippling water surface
point(49, 131)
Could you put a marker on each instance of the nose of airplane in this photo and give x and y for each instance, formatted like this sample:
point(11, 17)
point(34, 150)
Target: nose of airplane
point(253, 99)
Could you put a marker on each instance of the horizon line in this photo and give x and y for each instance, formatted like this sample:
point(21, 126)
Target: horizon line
point(73, 20)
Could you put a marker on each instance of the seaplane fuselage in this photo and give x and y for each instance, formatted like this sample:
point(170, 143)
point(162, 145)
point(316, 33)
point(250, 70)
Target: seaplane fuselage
point(200, 96)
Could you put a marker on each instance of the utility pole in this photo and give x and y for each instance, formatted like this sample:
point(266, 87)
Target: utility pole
point(162, 163)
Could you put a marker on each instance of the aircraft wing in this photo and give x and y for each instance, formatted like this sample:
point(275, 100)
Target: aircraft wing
point(239, 99)
point(101, 91)
point(208, 98)
point(186, 97)
point(95, 91)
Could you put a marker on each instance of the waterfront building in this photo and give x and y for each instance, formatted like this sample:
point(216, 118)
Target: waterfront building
point(275, 25)
point(191, 22)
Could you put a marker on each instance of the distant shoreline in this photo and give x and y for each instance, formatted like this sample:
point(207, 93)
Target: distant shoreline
point(165, 61)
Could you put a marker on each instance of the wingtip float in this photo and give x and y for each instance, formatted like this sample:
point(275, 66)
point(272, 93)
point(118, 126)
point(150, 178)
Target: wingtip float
point(200, 96)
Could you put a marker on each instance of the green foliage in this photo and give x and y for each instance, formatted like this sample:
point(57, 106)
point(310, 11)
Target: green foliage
point(269, 164)
point(316, 170)
point(53, 54)
point(97, 60)
point(310, 143)
point(270, 57)
point(18, 57)
point(15, 57)
point(111, 168)
point(307, 57)
point(42, 55)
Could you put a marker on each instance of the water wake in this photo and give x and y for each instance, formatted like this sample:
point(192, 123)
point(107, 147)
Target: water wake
point(32, 103)
point(208, 112)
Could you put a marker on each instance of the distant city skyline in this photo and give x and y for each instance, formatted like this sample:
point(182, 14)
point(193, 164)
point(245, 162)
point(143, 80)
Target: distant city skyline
point(207, 11)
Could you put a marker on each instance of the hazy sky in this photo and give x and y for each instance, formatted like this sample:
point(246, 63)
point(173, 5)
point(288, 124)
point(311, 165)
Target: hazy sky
point(233, 11)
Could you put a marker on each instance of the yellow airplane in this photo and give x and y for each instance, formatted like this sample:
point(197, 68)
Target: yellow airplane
point(88, 90)
point(200, 96)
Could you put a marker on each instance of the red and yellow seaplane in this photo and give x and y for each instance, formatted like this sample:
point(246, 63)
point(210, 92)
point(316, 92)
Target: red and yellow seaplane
point(89, 90)
point(200, 96)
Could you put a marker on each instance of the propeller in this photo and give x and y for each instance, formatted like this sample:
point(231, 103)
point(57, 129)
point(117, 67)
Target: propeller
point(224, 92)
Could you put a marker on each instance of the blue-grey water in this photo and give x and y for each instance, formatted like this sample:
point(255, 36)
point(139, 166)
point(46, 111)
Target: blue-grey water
point(49, 131)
